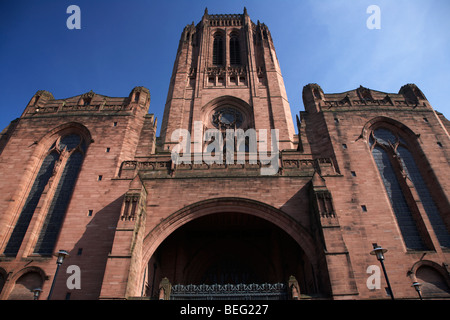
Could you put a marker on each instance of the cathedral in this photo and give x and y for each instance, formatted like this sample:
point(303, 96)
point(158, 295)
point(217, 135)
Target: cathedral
point(349, 199)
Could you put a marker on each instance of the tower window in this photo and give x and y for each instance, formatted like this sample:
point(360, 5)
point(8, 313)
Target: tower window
point(235, 54)
point(218, 51)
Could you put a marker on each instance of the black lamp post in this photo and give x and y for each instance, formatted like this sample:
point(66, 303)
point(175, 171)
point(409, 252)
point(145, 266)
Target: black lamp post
point(61, 255)
point(378, 251)
point(37, 293)
point(416, 286)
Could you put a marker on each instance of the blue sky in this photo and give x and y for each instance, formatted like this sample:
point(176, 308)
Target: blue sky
point(123, 44)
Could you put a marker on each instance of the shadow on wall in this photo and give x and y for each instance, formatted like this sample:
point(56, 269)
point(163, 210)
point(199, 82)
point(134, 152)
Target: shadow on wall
point(90, 254)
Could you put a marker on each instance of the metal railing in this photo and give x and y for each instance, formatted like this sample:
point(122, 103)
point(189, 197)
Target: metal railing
point(265, 291)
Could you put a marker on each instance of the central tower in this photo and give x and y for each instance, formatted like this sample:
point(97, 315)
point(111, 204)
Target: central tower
point(226, 74)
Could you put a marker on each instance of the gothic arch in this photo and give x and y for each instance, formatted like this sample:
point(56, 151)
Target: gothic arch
point(440, 269)
point(64, 129)
point(209, 108)
point(218, 32)
point(389, 123)
point(432, 267)
point(408, 179)
point(25, 270)
point(33, 277)
point(45, 161)
point(238, 205)
point(234, 32)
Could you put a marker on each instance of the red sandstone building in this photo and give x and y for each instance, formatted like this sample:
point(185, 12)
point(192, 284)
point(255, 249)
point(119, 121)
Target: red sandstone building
point(88, 175)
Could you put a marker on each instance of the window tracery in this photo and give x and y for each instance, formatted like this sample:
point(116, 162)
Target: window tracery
point(218, 50)
point(66, 154)
point(235, 54)
point(395, 163)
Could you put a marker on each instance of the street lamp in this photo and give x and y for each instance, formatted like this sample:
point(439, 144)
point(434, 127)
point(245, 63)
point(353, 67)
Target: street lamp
point(379, 251)
point(61, 255)
point(37, 293)
point(416, 286)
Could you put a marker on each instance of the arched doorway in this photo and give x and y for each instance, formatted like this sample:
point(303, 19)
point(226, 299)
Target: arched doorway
point(229, 246)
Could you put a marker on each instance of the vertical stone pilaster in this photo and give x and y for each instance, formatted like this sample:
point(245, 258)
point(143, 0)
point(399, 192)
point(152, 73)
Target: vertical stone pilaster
point(123, 268)
point(328, 233)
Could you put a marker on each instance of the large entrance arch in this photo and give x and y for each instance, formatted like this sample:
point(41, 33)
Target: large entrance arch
point(230, 241)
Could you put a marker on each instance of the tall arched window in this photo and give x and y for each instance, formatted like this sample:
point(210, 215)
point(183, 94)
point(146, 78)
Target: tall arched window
point(65, 154)
point(75, 147)
point(394, 160)
point(235, 54)
point(218, 50)
point(411, 169)
point(44, 174)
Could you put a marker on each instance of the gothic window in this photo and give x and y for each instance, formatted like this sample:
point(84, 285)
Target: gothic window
point(53, 221)
point(394, 160)
point(218, 51)
point(410, 167)
point(402, 212)
point(235, 54)
point(227, 118)
point(65, 154)
point(31, 203)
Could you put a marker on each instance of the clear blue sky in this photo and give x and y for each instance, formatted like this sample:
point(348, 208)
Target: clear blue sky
point(123, 44)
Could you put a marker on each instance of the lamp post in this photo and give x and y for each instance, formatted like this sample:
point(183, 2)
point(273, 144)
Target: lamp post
point(37, 293)
point(416, 286)
point(378, 252)
point(61, 255)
